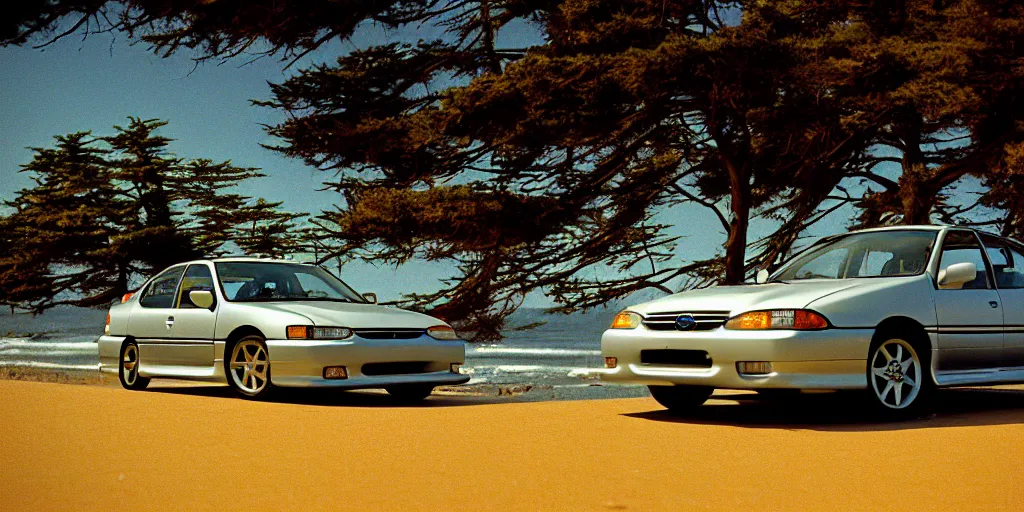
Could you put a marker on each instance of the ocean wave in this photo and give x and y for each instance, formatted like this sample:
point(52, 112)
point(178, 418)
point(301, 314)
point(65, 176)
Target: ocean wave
point(48, 366)
point(517, 351)
point(27, 344)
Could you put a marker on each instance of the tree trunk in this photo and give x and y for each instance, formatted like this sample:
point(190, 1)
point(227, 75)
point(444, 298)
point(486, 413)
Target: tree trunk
point(917, 195)
point(736, 245)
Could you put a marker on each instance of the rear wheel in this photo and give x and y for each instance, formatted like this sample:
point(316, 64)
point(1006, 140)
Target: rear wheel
point(899, 382)
point(410, 392)
point(248, 367)
point(680, 398)
point(128, 371)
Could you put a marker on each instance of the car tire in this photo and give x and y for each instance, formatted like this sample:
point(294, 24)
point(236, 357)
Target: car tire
point(899, 380)
point(680, 398)
point(410, 393)
point(247, 367)
point(128, 369)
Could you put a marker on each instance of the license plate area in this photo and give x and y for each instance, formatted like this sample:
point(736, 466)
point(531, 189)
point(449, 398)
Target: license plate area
point(674, 357)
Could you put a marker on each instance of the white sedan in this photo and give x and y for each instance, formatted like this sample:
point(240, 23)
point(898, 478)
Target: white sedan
point(259, 323)
point(893, 311)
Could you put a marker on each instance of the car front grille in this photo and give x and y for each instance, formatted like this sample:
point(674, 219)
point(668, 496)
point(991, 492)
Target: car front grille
point(669, 357)
point(397, 368)
point(706, 320)
point(389, 334)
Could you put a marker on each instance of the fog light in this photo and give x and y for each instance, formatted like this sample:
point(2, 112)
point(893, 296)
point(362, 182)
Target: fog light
point(754, 367)
point(611, 362)
point(335, 372)
point(456, 367)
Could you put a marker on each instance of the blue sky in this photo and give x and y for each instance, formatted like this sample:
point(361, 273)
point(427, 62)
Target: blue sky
point(97, 83)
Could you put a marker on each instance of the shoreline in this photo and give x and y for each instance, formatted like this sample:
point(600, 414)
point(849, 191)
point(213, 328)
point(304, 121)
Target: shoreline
point(522, 391)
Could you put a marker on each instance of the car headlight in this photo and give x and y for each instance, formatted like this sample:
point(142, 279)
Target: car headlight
point(790, 319)
point(627, 320)
point(442, 332)
point(311, 332)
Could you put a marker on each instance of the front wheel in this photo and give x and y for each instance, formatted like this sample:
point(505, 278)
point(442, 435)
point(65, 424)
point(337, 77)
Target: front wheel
point(128, 370)
point(248, 367)
point(410, 393)
point(899, 381)
point(680, 398)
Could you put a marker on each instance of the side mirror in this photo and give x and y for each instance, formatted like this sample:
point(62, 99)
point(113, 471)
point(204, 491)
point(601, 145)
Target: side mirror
point(370, 297)
point(956, 275)
point(762, 276)
point(201, 298)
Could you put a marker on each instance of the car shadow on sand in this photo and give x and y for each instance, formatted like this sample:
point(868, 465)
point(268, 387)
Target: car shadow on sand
point(328, 397)
point(845, 412)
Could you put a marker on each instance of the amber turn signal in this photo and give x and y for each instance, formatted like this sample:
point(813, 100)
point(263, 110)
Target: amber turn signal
point(298, 332)
point(626, 320)
point(791, 319)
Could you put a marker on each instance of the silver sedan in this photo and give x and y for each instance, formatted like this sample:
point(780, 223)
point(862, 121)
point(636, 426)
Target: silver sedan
point(259, 323)
point(897, 312)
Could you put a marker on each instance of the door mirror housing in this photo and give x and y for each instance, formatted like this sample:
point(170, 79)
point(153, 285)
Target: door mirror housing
point(201, 298)
point(370, 297)
point(762, 276)
point(955, 276)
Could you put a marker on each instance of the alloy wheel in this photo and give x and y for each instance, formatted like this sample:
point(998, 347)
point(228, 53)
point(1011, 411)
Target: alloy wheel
point(250, 366)
point(130, 365)
point(896, 374)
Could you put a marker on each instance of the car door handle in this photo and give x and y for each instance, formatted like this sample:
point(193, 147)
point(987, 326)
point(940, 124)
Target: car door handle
point(993, 304)
point(170, 321)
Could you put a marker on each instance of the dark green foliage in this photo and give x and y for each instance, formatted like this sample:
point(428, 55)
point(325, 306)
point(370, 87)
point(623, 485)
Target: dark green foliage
point(543, 166)
point(105, 211)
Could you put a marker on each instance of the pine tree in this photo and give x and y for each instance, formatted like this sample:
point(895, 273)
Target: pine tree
point(261, 228)
point(106, 211)
point(63, 229)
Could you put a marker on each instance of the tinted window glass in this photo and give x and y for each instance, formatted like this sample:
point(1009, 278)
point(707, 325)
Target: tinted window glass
point(1007, 262)
point(871, 254)
point(253, 281)
point(160, 292)
point(963, 247)
point(197, 277)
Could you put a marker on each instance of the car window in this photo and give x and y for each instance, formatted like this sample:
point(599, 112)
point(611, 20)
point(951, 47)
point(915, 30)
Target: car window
point(314, 286)
point(825, 266)
point(868, 254)
point(1007, 262)
point(873, 263)
point(272, 281)
point(963, 247)
point(197, 277)
point(160, 292)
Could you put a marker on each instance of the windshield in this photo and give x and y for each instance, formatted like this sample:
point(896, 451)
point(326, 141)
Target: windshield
point(872, 254)
point(264, 282)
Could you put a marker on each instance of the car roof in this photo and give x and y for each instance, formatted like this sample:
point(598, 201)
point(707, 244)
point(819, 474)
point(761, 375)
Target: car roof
point(911, 227)
point(244, 259)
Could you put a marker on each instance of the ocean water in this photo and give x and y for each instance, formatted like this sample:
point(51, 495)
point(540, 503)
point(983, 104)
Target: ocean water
point(555, 354)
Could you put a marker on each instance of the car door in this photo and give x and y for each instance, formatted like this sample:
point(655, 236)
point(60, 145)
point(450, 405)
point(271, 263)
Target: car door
point(970, 319)
point(1007, 258)
point(192, 328)
point(148, 320)
point(172, 338)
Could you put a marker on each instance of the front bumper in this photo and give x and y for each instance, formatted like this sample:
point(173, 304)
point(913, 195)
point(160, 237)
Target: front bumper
point(827, 359)
point(300, 363)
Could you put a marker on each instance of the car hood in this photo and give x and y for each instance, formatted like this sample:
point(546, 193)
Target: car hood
point(740, 299)
point(356, 316)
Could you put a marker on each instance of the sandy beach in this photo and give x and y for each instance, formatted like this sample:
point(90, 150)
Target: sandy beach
point(181, 448)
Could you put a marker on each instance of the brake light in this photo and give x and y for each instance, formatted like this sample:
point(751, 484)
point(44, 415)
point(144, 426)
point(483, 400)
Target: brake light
point(106, 328)
point(125, 297)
